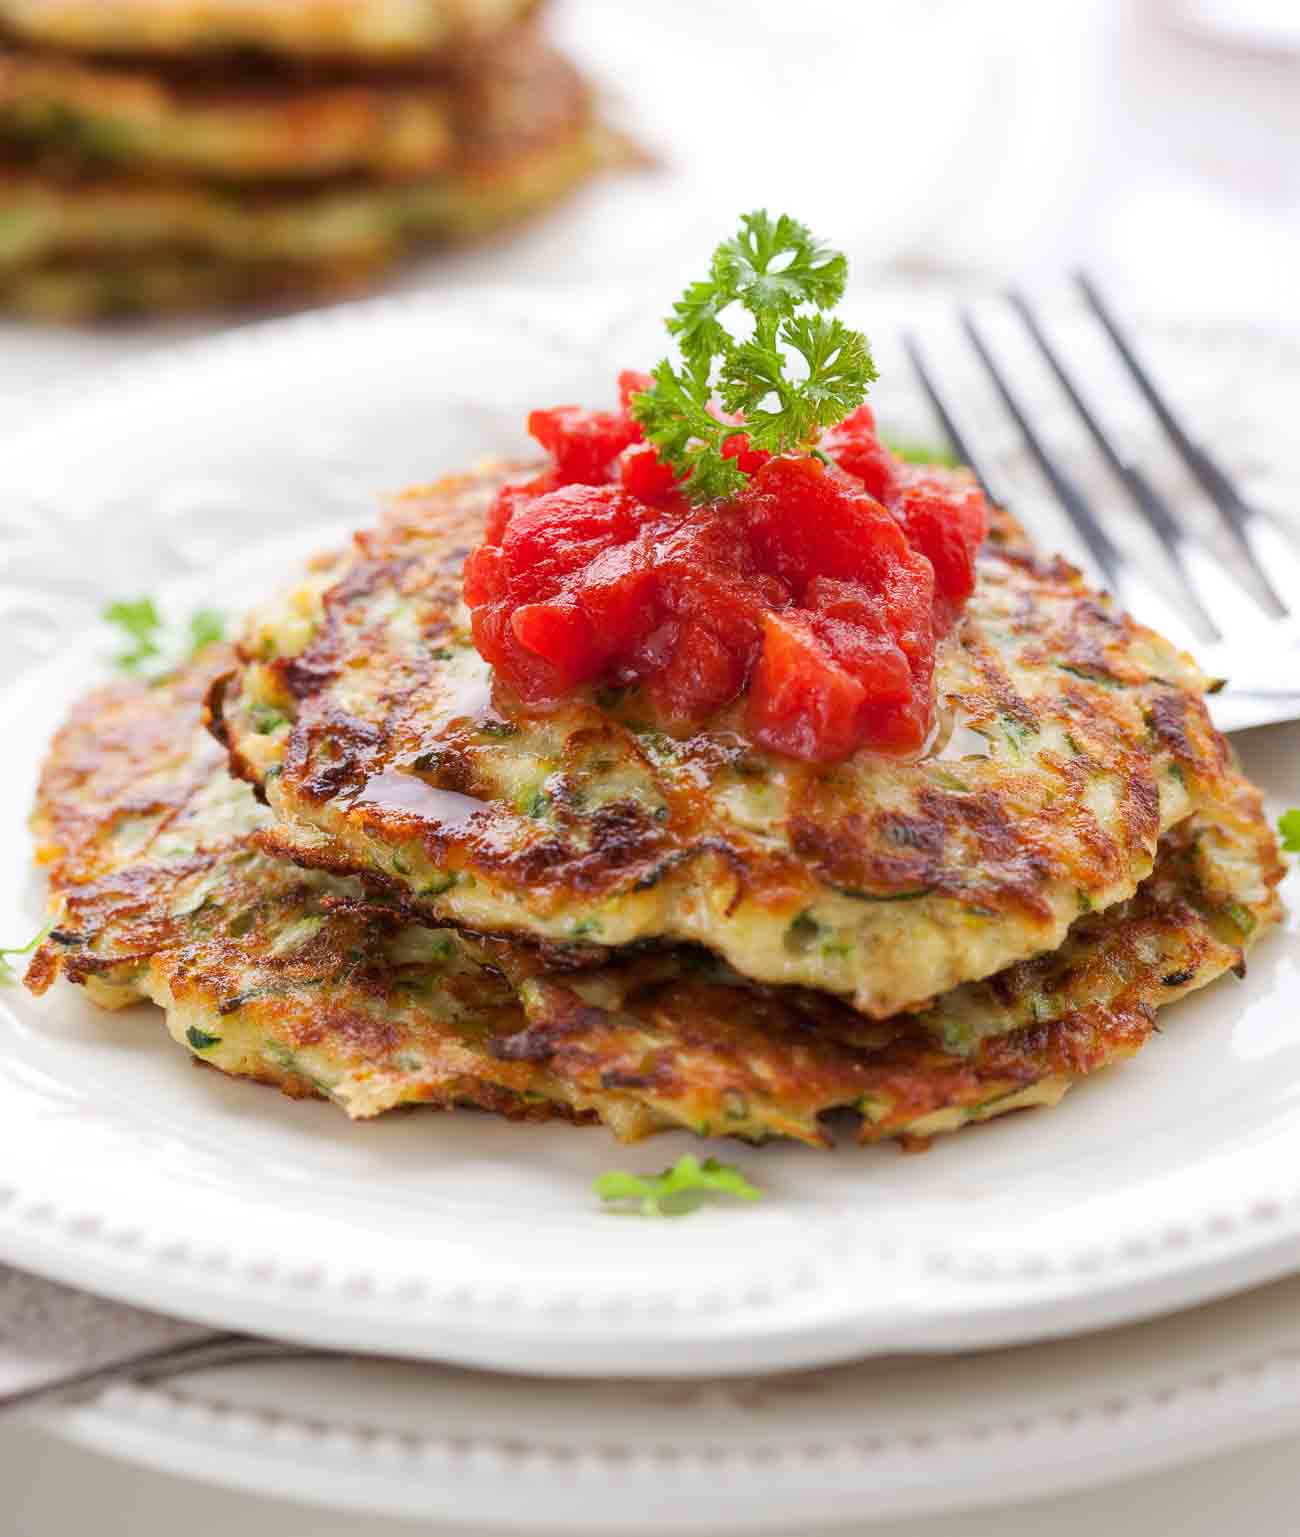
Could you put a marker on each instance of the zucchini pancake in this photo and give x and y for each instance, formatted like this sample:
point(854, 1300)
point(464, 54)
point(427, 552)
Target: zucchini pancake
point(162, 891)
point(534, 139)
point(366, 715)
point(256, 129)
point(236, 153)
point(720, 771)
point(78, 289)
point(376, 31)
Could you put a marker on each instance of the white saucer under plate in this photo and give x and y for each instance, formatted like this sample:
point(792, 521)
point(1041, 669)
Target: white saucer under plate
point(204, 475)
point(904, 1435)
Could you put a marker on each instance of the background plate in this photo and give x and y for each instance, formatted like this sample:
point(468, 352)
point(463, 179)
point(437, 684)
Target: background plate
point(456, 1237)
point(899, 1436)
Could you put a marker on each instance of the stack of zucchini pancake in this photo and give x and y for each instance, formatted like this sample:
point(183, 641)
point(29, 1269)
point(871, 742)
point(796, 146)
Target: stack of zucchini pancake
point(756, 791)
point(172, 154)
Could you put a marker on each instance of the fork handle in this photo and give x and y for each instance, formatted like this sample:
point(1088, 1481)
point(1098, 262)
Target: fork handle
point(207, 1353)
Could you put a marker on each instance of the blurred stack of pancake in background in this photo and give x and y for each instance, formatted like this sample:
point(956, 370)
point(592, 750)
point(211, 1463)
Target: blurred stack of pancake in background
point(176, 154)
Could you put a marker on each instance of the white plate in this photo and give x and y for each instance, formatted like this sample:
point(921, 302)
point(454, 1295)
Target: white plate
point(461, 1238)
point(902, 1436)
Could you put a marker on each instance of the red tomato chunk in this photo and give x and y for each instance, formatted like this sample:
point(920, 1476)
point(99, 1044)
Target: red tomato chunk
point(818, 593)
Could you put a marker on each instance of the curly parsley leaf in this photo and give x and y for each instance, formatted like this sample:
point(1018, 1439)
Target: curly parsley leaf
point(774, 270)
point(8, 976)
point(675, 417)
point(1288, 825)
point(207, 627)
point(751, 266)
point(140, 622)
point(676, 1190)
point(155, 646)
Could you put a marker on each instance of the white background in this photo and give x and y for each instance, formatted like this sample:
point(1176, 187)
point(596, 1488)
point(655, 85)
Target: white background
point(1158, 143)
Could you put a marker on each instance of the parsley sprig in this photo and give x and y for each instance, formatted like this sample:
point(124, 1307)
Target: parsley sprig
point(677, 1190)
point(155, 646)
point(776, 270)
point(8, 976)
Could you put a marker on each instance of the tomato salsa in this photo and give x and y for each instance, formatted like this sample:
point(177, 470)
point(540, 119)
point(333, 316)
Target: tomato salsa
point(817, 594)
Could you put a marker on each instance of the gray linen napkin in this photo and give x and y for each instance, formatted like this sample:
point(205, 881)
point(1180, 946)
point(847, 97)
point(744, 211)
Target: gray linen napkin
point(55, 1339)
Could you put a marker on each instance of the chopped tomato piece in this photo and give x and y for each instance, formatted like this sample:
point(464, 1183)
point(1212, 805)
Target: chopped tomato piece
point(642, 474)
point(699, 675)
point(804, 523)
point(901, 726)
point(485, 576)
point(617, 595)
point(855, 447)
point(630, 383)
point(563, 532)
point(802, 701)
point(559, 632)
point(583, 443)
point(749, 459)
point(510, 500)
point(534, 680)
point(876, 661)
point(946, 520)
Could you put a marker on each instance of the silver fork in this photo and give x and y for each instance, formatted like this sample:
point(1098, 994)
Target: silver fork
point(1230, 608)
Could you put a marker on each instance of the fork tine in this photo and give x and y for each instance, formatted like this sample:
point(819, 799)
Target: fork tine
point(943, 411)
point(1235, 513)
point(1077, 507)
point(1153, 507)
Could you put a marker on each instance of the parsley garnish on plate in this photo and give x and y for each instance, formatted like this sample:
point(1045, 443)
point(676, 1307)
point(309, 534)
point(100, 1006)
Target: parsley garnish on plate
point(139, 621)
point(8, 975)
point(155, 646)
point(776, 271)
point(1288, 826)
point(677, 1190)
point(207, 627)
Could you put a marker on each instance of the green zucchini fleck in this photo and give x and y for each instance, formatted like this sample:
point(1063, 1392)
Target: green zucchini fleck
point(1103, 680)
point(858, 895)
point(1240, 917)
point(1017, 733)
point(200, 1040)
point(735, 1106)
point(265, 718)
point(802, 931)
